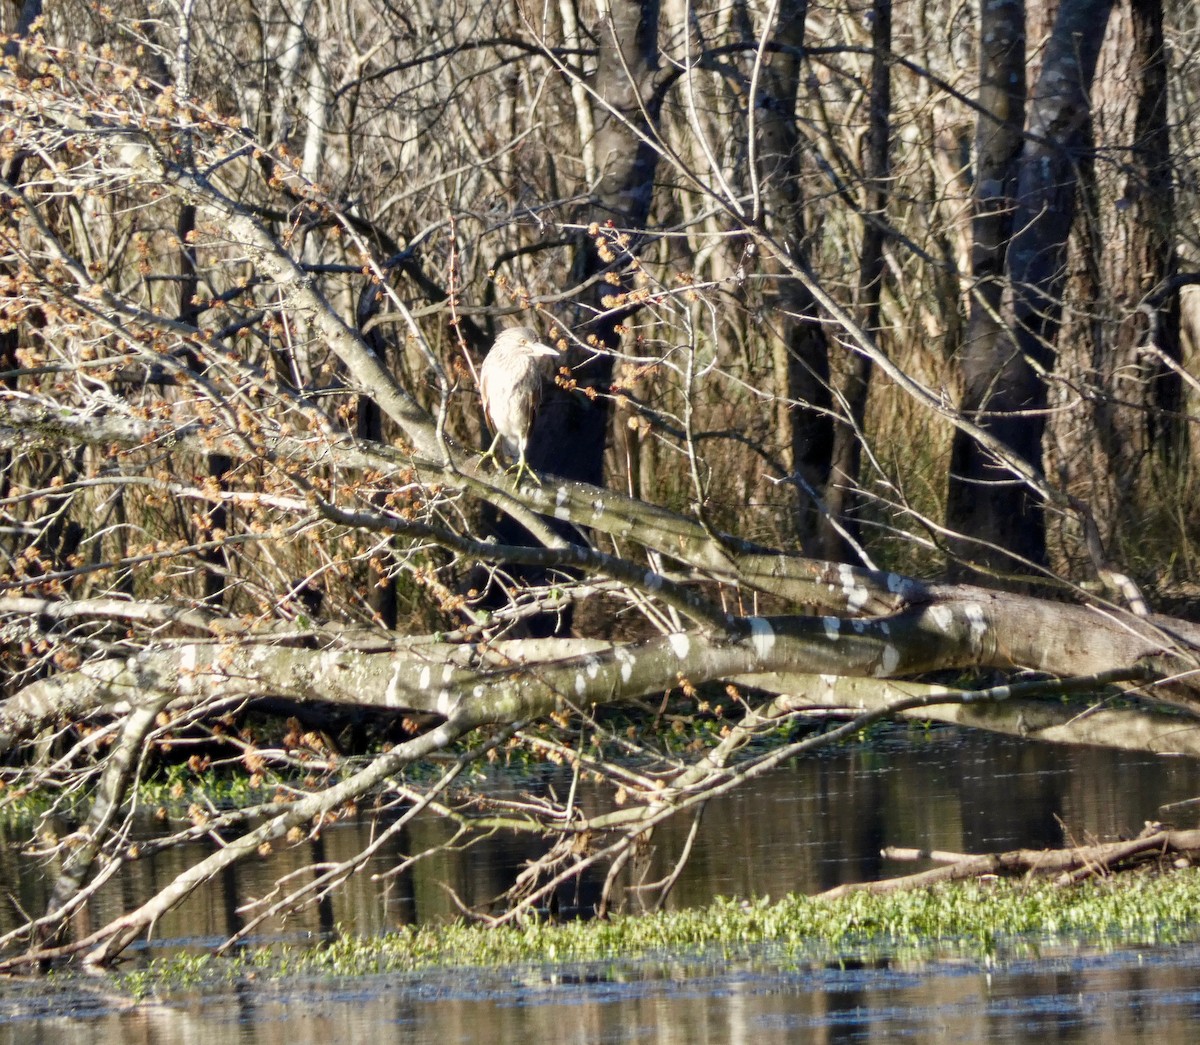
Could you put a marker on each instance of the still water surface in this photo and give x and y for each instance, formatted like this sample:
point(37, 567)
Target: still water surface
point(816, 823)
point(1123, 998)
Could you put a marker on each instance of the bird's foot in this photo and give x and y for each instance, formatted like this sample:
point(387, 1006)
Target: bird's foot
point(521, 468)
point(491, 455)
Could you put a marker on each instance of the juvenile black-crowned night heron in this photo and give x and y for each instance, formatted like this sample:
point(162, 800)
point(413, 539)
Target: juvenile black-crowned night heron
point(510, 384)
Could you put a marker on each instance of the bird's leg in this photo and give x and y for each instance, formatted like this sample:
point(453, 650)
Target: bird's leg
point(490, 453)
point(524, 469)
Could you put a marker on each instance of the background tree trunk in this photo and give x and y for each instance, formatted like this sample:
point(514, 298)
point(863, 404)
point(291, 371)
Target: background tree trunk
point(1120, 434)
point(569, 437)
point(1006, 376)
point(800, 348)
point(841, 497)
point(973, 499)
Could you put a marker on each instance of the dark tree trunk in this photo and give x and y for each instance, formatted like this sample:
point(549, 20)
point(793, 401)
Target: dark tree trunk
point(1000, 520)
point(216, 518)
point(1152, 183)
point(1060, 132)
point(847, 454)
point(973, 497)
point(974, 504)
point(571, 428)
point(381, 582)
point(569, 436)
point(1132, 428)
point(801, 347)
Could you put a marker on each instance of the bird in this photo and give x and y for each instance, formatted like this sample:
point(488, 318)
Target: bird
point(510, 384)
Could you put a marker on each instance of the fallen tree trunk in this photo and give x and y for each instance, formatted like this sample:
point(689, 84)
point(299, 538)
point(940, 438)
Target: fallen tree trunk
point(1157, 847)
point(500, 682)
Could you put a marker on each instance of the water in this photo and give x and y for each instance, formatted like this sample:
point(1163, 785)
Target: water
point(1122, 998)
point(816, 823)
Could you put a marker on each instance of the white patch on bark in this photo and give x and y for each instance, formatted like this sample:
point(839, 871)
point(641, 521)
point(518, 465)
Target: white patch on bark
point(856, 594)
point(560, 499)
point(891, 658)
point(592, 666)
point(941, 617)
point(762, 636)
point(680, 644)
point(626, 660)
point(580, 683)
point(978, 624)
point(185, 677)
point(426, 677)
point(833, 627)
point(391, 695)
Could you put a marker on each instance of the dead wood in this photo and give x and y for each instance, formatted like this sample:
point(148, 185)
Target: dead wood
point(1156, 846)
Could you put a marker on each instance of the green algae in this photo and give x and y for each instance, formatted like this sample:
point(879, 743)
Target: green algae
point(978, 919)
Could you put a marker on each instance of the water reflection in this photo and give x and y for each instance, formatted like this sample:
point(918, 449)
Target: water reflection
point(822, 821)
point(813, 824)
point(1123, 998)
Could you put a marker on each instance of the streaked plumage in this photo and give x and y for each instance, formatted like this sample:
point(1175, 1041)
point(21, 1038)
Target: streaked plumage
point(510, 383)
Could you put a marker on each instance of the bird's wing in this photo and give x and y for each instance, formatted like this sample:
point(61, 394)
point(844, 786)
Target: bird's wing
point(487, 410)
point(526, 403)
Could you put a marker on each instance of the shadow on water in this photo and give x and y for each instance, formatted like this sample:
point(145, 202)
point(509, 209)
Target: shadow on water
point(813, 824)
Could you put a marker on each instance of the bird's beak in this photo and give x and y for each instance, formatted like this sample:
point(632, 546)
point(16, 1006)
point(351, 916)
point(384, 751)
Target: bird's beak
point(544, 350)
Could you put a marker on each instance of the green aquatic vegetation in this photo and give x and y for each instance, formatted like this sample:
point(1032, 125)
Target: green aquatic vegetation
point(983, 919)
point(20, 807)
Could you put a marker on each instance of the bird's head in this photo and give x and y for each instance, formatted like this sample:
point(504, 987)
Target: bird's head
point(528, 340)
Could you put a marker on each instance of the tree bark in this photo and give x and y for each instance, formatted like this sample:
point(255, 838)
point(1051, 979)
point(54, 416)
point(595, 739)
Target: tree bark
point(801, 350)
point(959, 627)
point(1001, 520)
point(569, 435)
point(1127, 434)
point(972, 508)
point(841, 497)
